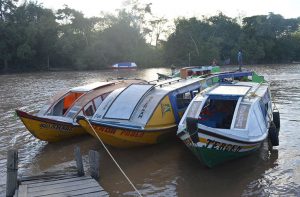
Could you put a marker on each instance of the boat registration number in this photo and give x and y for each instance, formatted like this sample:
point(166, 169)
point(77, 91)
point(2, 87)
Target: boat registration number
point(213, 144)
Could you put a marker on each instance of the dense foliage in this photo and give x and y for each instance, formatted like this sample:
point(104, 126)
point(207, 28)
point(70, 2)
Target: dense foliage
point(36, 38)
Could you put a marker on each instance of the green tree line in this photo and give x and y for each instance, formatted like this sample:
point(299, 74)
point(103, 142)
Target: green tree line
point(33, 37)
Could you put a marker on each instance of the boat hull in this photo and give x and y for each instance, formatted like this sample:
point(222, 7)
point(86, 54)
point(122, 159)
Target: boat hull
point(49, 130)
point(127, 138)
point(213, 150)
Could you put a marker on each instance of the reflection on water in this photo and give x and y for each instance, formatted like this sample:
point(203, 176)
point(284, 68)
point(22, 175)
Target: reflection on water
point(167, 169)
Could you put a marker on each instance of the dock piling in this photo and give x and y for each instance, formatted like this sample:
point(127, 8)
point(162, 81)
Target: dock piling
point(12, 172)
point(94, 160)
point(79, 164)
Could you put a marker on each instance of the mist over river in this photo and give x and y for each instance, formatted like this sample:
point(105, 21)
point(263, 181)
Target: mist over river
point(166, 169)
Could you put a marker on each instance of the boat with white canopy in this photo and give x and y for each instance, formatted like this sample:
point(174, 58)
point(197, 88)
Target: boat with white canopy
point(55, 121)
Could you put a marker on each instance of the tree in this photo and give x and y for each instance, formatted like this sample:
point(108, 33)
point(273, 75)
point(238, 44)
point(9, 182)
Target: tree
point(267, 31)
point(7, 9)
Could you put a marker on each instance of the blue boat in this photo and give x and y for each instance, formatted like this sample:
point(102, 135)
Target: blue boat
point(124, 65)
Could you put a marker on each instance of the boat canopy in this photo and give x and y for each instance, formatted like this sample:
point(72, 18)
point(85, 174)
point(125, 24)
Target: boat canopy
point(232, 107)
point(136, 104)
point(230, 90)
point(89, 87)
point(132, 95)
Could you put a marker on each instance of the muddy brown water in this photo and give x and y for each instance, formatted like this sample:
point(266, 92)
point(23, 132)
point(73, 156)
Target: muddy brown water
point(167, 169)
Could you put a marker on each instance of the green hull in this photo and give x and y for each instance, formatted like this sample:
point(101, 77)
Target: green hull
point(212, 157)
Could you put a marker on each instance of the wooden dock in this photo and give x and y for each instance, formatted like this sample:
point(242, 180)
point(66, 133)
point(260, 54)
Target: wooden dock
point(59, 186)
point(55, 184)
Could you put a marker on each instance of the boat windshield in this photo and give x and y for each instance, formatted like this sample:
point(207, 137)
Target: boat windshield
point(217, 113)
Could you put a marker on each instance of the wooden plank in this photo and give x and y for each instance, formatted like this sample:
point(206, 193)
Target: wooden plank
point(95, 194)
point(46, 176)
point(53, 181)
point(74, 190)
point(45, 179)
point(83, 192)
point(87, 182)
point(22, 191)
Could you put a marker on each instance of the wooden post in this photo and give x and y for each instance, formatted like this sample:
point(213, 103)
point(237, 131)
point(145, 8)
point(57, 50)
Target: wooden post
point(79, 164)
point(12, 172)
point(94, 160)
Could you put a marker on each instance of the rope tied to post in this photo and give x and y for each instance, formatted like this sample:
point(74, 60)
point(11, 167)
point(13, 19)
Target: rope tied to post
point(130, 182)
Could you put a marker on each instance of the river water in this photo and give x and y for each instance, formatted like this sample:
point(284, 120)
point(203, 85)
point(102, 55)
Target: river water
point(167, 169)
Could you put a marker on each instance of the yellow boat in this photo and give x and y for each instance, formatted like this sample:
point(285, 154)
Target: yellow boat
point(56, 120)
point(142, 114)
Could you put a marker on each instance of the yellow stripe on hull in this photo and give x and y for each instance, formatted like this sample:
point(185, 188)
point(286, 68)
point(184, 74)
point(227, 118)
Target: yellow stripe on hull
point(51, 132)
point(126, 138)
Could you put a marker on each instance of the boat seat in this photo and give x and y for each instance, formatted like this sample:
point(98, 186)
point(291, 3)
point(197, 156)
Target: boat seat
point(215, 120)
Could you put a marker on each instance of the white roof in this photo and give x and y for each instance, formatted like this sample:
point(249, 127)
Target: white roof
point(136, 104)
point(89, 87)
point(230, 90)
point(125, 103)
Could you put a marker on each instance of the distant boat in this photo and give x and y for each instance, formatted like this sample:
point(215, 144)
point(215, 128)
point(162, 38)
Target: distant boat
point(194, 71)
point(56, 119)
point(229, 120)
point(124, 65)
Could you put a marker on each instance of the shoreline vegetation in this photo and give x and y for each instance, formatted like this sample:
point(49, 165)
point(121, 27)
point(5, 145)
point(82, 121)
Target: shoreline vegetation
point(35, 38)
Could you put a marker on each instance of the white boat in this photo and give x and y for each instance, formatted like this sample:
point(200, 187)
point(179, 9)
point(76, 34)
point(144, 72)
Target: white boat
point(229, 120)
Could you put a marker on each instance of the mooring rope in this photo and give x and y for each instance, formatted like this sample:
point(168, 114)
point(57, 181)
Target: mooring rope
point(137, 191)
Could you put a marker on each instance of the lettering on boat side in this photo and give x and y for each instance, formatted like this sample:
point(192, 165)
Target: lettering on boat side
point(112, 131)
point(55, 126)
point(132, 133)
point(109, 100)
point(212, 144)
point(144, 107)
point(106, 130)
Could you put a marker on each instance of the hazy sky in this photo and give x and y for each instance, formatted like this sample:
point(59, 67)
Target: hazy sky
point(188, 8)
